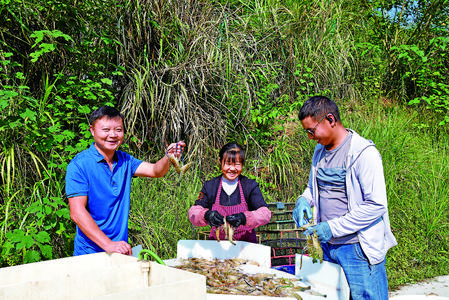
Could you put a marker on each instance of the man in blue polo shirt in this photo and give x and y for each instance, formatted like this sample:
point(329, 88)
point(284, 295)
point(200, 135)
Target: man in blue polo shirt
point(98, 185)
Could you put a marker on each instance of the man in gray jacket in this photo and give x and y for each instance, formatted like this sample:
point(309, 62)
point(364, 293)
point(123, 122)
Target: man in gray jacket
point(347, 190)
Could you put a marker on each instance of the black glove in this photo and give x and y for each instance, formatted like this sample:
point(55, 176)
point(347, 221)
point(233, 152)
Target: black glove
point(214, 218)
point(236, 219)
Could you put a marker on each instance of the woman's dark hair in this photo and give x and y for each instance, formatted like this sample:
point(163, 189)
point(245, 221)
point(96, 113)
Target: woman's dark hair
point(230, 151)
point(108, 111)
point(317, 106)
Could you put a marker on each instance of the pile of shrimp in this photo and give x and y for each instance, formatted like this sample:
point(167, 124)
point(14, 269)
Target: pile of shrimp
point(225, 277)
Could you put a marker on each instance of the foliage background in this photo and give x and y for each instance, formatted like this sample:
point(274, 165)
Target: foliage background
point(210, 71)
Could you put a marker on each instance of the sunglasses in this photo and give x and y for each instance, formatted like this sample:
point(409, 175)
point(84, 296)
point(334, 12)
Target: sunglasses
point(312, 131)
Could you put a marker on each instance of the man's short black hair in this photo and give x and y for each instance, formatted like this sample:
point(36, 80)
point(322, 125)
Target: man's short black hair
point(108, 111)
point(318, 106)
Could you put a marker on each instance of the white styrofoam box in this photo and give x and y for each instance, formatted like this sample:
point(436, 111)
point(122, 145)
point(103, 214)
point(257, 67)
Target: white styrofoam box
point(326, 276)
point(210, 249)
point(327, 279)
point(99, 276)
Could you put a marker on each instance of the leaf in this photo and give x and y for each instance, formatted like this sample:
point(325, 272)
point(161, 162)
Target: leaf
point(58, 200)
point(39, 35)
point(35, 55)
point(31, 256)
point(63, 212)
point(69, 135)
point(42, 237)
point(106, 40)
point(15, 236)
point(3, 103)
point(414, 101)
point(46, 47)
point(106, 81)
point(403, 54)
point(84, 109)
point(33, 208)
point(7, 94)
point(47, 251)
point(61, 228)
point(47, 210)
point(58, 33)
point(19, 75)
point(6, 247)
point(58, 138)
point(13, 124)
point(28, 114)
point(26, 242)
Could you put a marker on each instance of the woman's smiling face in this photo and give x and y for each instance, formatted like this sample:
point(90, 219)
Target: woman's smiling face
point(231, 168)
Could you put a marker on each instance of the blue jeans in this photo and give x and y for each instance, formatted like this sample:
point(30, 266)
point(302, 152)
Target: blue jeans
point(365, 281)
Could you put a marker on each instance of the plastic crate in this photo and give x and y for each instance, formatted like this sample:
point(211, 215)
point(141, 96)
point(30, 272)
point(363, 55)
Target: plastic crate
point(279, 226)
point(286, 251)
point(280, 243)
point(283, 260)
point(282, 216)
point(263, 236)
point(288, 269)
point(203, 235)
point(276, 235)
point(280, 206)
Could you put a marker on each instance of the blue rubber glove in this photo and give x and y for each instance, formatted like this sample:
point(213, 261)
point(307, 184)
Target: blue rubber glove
point(302, 208)
point(323, 231)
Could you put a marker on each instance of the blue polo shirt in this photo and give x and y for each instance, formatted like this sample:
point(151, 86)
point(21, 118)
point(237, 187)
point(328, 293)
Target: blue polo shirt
point(108, 192)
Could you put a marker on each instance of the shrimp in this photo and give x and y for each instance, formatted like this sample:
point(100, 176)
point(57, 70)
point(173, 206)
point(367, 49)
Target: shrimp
point(313, 246)
point(229, 278)
point(317, 247)
point(229, 232)
point(180, 169)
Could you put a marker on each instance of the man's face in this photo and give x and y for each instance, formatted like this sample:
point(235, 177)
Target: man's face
point(319, 128)
point(108, 134)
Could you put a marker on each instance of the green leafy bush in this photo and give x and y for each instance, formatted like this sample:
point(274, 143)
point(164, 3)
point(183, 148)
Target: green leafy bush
point(427, 74)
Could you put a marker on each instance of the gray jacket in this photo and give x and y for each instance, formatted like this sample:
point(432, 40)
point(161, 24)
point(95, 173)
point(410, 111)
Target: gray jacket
point(367, 199)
